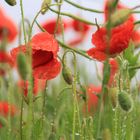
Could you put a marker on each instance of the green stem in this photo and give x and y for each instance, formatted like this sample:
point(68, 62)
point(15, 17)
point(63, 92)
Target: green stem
point(134, 67)
point(75, 50)
point(34, 20)
point(137, 22)
point(58, 17)
point(100, 114)
point(20, 30)
point(23, 24)
point(73, 17)
point(75, 97)
point(21, 117)
point(83, 8)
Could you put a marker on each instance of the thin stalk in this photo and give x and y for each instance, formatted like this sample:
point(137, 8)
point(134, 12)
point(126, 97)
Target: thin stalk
point(58, 17)
point(134, 67)
point(43, 108)
point(10, 92)
point(21, 118)
point(23, 24)
point(83, 8)
point(20, 30)
point(75, 50)
point(34, 20)
point(137, 22)
point(73, 17)
point(75, 97)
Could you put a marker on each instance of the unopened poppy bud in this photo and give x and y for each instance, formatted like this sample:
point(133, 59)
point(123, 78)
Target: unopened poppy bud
point(106, 134)
point(125, 101)
point(113, 96)
point(44, 6)
point(22, 65)
point(67, 75)
point(120, 16)
point(11, 2)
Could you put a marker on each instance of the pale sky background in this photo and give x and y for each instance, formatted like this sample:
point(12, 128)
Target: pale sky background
point(32, 6)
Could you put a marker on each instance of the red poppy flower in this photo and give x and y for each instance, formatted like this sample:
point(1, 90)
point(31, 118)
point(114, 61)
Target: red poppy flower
point(44, 56)
point(39, 85)
point(8, 26)
point(6, 108)
point(92, 99)
point(50, 26)
point(136, 34)
point(119, 40)
point(76, 41)
point(80, 26)
point(5, 58)
point(82, 30)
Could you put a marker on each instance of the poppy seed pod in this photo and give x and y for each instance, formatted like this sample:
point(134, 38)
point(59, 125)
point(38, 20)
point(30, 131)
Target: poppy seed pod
point(11, 2)
point(44, 6)
point(120, 16)
point(22, 66)
point(67, 75)
point(125, 101)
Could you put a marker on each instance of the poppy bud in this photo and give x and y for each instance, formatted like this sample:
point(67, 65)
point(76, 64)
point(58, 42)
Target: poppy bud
point(67, 75)
point(44, 6)
point(120, 16)
point(22, 66)
point(113, 96)
point(106, 134)
point(125, 101)
point(11, 2)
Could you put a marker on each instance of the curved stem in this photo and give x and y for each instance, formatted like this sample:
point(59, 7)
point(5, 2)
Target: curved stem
point(75, 50)
point(83, 8)
point(34, 20)
point(72, 16)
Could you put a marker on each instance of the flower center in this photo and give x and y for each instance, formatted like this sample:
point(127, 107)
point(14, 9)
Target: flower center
point(41, 57)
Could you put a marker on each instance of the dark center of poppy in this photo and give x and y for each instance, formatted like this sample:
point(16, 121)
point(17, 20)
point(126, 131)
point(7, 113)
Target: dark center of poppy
point(41, 57)
point(3, 33)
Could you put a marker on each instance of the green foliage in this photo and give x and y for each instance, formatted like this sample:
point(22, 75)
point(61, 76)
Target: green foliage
point(132, 58)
